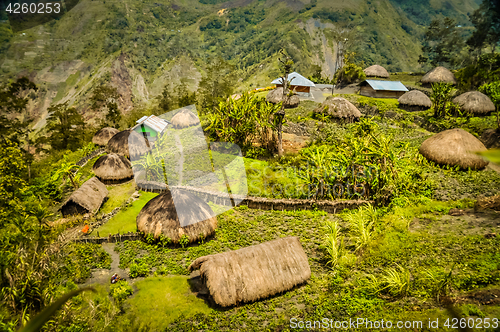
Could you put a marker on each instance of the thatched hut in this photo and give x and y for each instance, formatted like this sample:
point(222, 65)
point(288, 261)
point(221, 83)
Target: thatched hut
point(86, 199)
point(254, 272)
point(129, 144)
point(454, 147)
point(184, 119)
point(339, 108)
point(176, 213)
point(104, 135)
point(376, 71)
point(438, 75)
point(276, 96)
point(414, 100)
point(113, 169)
point(475, 102)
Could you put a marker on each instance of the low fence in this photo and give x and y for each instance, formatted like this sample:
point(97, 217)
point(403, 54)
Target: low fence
point(261, 203)
point(82, 162)
point(109, 239)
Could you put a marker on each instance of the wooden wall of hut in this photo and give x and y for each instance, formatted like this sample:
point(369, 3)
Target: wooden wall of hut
point(368, 91)
point(298, 88)
point(413, 108)
point(71, 208)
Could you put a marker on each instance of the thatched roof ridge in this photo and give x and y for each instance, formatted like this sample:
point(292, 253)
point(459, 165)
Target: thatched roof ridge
point(104, 135)
point(475, 102)
point(90, 195)
point(454, 147)
point(254, 272)
point(338, 107)
point(439, 75)
point(128, 143)
point(376, 71)
point(184, 119)
point(276, 96)
point(415, 98)
point(172, 214)
point(113, 167)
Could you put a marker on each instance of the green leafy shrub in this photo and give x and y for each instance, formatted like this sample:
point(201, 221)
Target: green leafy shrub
point(184, 240)
point(138, 270)
point(120, 290)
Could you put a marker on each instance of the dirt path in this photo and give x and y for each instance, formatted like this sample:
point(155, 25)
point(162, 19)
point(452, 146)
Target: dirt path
point(102, 276)
point(180, 168)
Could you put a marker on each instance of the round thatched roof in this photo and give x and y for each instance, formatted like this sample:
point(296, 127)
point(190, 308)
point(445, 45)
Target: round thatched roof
point(190, 215)
point(454, 147)
point(415, 98)
point(184, 119)
point(338, 107)
point(127, 143)
point(276, 96)
point(113, 167)
point(254, 272)
point(104, 135)
point(475, 102)
point(439, 75)
point(376, 71)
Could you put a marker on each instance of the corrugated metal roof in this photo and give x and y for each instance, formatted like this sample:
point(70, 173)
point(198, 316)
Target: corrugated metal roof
point(152, 122)
point(385, 85)
point(296, 79)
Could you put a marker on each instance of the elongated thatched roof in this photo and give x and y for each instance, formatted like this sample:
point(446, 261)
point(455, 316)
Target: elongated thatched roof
point(276, 96)
point(175, 213)
point(89, 196)
point(454, 147)
point(184, 119)
point(113, 167)
point(338, 107)
point(104, 135)
point(128, 143)
point(439, 75)
point(255, 272)
point(475, 102)
point(376, 71)
point(415, 98)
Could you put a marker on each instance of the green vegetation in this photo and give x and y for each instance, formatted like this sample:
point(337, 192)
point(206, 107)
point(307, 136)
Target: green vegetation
point(118, 195)
point(160, 300)
point(125, 220)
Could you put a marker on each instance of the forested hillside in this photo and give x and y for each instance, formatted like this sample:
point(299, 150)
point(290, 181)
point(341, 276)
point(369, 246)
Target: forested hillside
point(139, 46)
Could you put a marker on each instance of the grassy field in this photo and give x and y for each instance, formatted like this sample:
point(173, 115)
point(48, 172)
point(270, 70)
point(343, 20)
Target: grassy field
point(421, 241)
point(125, 220)
point(158, 301)
point(117, 196)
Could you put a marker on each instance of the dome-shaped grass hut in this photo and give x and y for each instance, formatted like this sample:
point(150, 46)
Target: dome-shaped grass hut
point(184, 119)
point(475, 102)
point(86, 199)
point(176, 213)
point(339, 108)
point(454, 147)
point(104, 135)
point(376, 71)
point(129, 144)
point(254, 272)
point(414, 101)
point(113, 169)
point(276, 96)
point(438, 75)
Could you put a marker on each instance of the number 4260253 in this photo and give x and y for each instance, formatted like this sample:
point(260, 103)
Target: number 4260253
point(34, 8)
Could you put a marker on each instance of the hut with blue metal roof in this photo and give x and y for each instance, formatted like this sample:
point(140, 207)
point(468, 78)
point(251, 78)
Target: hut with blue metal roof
point(298, 83)
point(150, 126)
point(382, 89)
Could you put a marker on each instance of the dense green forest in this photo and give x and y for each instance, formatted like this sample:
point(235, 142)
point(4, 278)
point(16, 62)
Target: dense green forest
point(419, 240)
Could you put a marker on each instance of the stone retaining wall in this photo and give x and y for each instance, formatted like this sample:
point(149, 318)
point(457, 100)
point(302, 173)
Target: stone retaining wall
point(109, 239)
point(260, 203)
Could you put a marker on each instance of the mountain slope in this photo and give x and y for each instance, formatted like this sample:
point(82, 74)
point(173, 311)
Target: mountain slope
point(139, 46)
